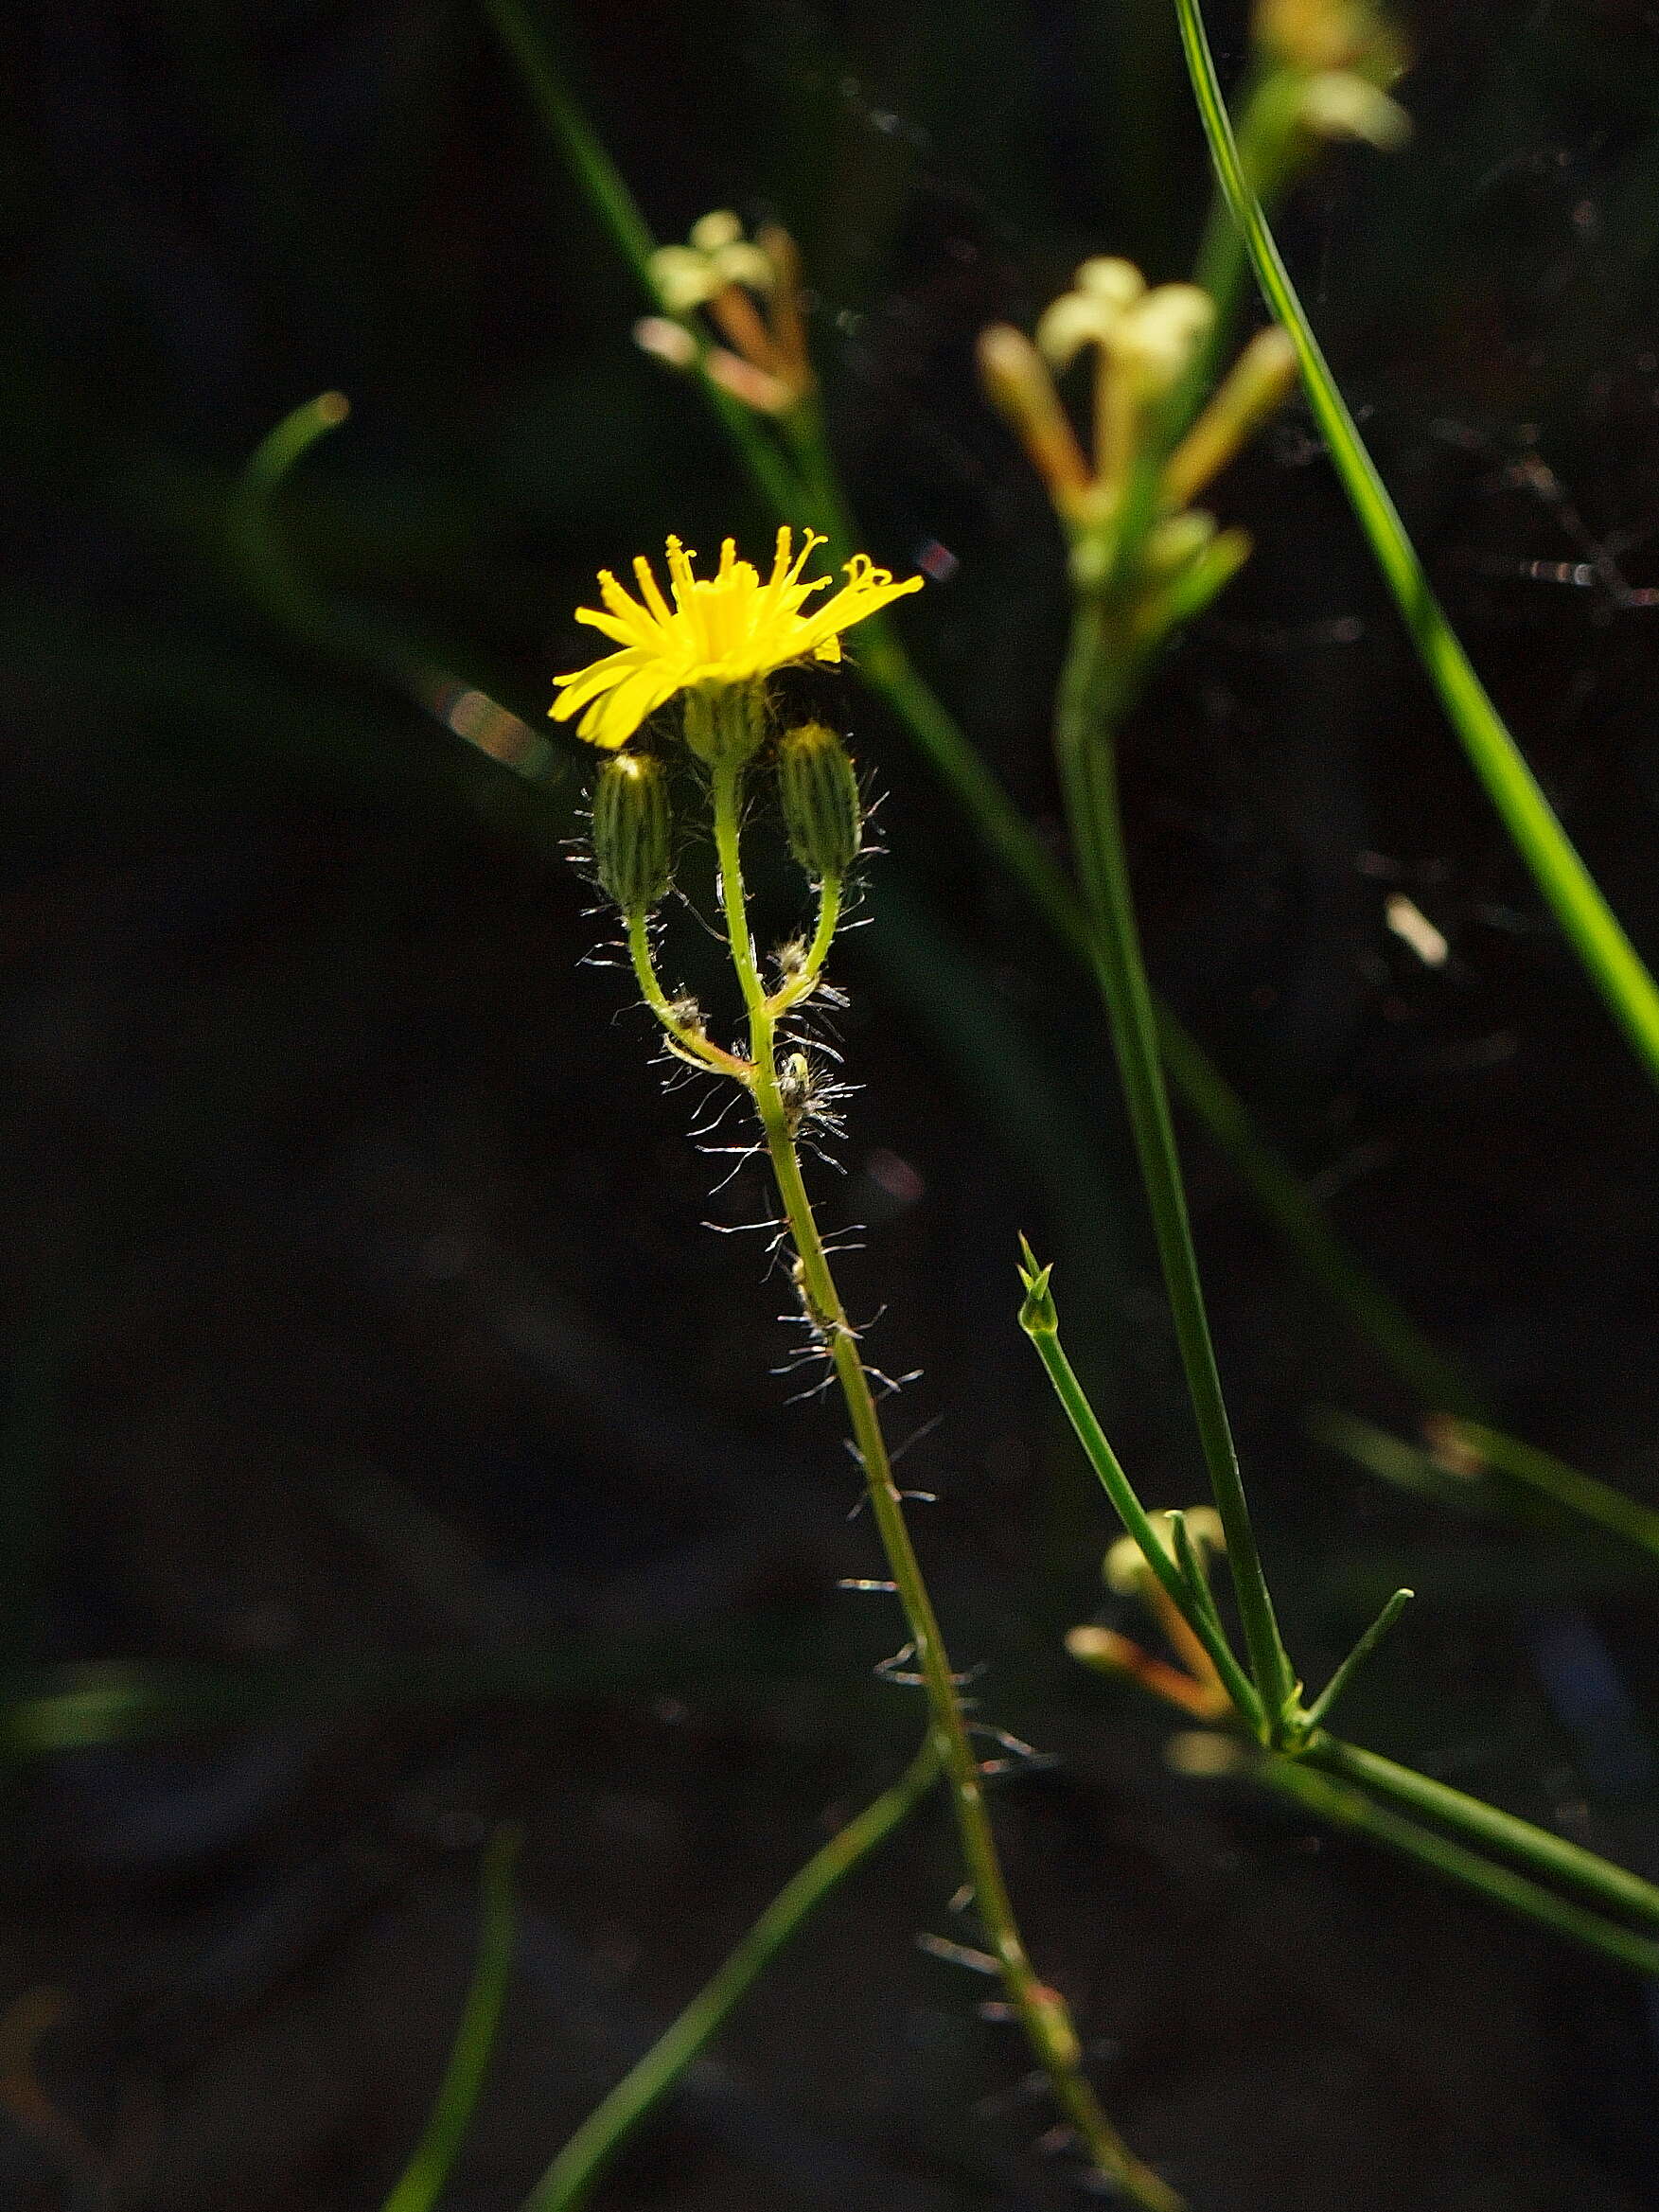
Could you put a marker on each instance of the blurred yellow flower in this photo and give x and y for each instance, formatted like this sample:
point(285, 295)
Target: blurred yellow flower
point(725, 629)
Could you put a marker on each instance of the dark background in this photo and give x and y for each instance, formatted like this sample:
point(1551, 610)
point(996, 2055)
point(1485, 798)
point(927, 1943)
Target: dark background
point(378, 1410)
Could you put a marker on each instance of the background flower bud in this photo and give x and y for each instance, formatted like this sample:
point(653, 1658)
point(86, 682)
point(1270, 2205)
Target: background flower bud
point(1160, 334)
point(818, 792)
point(633, 831)
point(1339, 104)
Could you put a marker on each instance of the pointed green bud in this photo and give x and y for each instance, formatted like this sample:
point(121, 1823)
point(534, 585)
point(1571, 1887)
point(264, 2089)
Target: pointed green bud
point(1037, 1316)
point(822, 812)
point(633, 831)
point(1218, 557)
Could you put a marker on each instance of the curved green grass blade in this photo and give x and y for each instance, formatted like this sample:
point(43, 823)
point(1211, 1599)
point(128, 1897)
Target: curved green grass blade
point(1577, 1492)
point(424, 2178)
point(570, 2179)
point(1586, 920)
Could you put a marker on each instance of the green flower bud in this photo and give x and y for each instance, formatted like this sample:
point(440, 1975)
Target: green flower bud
point(1037, 1316)
point(822, 812)
point(633, 830)
point(724, 721)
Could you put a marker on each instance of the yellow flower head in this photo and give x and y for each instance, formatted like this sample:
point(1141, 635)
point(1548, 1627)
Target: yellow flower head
point(727, 629)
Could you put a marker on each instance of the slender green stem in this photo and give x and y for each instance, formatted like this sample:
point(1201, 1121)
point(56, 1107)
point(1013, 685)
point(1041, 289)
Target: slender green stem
point(1306, 1745)
point(1041, 2011)
point(1585, 918)
point(1195, 1574)
point(1279, 1191)
point(1537, 1849)
point(608, 194)
point(1282, 1198)
point(570, 2179)
point(1357, 1657)
point(1089, 697)
point(692, 1044)
point(1203, 1620)
point(1222, 267)
point(829, 915)
point(1351, 1810)
point(1565, 1486)
point(726, 793)
point(424, 2178)
point(802, 985)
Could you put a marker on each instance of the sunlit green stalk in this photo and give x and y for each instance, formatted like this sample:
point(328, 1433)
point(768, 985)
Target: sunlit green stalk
point(1089, 701)
point(800, 986)
point(428, 2172)
point(1537, 1849)
point(1585, 918)
point(1352, 1810)
point(1544, 1855)
point(570, 2179)
point(1127, 1505)
point(1041, 2011)
point(693, 1045)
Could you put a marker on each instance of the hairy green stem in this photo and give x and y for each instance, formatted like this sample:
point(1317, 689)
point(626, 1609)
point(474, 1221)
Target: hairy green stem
point(796, 988)
point(570, 2179)
point(691, 1043)
point(1091, 693)
point(1041, 2011)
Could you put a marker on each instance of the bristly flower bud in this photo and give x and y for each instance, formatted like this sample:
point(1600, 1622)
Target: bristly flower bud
point(633, 831)
point(818, 792)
